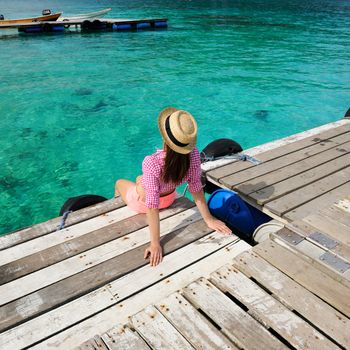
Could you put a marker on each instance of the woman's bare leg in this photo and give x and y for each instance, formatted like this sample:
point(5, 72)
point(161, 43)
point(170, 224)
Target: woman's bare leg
point(122, 186)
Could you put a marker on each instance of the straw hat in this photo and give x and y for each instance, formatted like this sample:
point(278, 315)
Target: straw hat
point(178, 129)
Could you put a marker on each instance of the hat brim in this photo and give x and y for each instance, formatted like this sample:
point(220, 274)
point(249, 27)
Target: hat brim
point(161, 124)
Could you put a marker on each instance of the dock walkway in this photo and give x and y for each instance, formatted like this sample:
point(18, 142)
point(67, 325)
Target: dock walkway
point(99, 24)
point(276, 295)
point(88, 286)
point(294, 179)
point(59, 288)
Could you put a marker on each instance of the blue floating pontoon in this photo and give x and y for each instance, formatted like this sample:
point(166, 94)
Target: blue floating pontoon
point(86, 25)
point(121, 26)
point(160, 24)
point(143, 25)
point(31, 30)
point(57, 28)
point(240, 216)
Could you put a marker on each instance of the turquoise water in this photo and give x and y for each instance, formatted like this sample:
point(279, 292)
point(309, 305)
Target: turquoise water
point(79, 110)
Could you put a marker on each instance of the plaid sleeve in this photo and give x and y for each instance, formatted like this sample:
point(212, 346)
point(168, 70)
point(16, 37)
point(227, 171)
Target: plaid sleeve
point(195, 172)
point(151, 181)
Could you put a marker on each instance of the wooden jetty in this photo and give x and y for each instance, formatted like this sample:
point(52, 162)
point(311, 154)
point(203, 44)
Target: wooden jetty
point(86, 25)
point(88, 286)
point(294, 178)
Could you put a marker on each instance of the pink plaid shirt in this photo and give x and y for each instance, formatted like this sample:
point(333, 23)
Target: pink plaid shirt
point(154, 185)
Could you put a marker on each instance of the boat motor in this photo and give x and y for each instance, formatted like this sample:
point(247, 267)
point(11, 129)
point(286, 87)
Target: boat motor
point(2, 17)
point(46, 12)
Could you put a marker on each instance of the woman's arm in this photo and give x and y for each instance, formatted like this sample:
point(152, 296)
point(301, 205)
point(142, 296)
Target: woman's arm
point(213, 223)
point(154, 250)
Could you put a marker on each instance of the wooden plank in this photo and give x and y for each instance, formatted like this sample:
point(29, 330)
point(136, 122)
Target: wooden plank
point(268, 146)
point(38, 244)
point(90, 304)
point(296, 297)
point(324, 137)
point(191, 324)
point(233, 180)
point(102, 321)
point(96, 343)
point(275, 176)
point(314, 254)
point(49, 226)
point(318, 203)
point(78, 245)
point(344, 205)
point(292, 183)
point(316, 281)
point(306, 230)
point(93, 257)
point(94, 277)
point(271, 312)
point(201, 249)
point(305, 194)
point(234, 322)
point(336, 214)
point(122, 337)
point(335, 229)
point(157, 331)
point(316, 241)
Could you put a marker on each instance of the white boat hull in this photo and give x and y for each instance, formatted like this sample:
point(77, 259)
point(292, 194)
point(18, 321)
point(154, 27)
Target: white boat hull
point(81, 17)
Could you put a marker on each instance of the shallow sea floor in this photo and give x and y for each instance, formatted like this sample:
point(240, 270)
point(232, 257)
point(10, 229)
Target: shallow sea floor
point(78, 110)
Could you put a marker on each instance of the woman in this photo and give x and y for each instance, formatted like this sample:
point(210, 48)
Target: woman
point(163, 171)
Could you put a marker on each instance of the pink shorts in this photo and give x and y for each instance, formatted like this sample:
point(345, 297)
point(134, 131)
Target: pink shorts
point(135, 203)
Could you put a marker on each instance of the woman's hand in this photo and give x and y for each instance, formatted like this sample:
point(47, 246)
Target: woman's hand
point(154, 251)
point(212, 223)
point(218, 225)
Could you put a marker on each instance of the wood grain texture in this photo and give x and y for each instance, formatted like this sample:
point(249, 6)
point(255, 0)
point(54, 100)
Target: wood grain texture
point(337, 214)
point(296, 297)
point(308, 192)
point(314, 248)
point(157, 331)
point(191, 324)
point(102, 321)
point(28, 233)
point(40, 243)
point(335, 229)
point(75, 246)
point(90, 258)
point(234, 180)
point(318, 203)
point(96, 343)
point(305, 229)
point(315, 255)
point(270, 311)
point(95, 302)
point(316, 281)
point(275, 176)
point(235, 323)
point(75, 286)
point(292, 183)
point(235, 167)
point(122, 337)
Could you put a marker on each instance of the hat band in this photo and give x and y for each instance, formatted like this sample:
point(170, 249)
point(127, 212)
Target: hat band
point(171, 136)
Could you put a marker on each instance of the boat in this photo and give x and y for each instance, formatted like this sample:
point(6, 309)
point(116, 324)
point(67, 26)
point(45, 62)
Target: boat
point(83, 16)
point(44, 18)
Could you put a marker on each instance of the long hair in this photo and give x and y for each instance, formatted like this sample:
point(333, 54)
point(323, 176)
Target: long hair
point(176, 165)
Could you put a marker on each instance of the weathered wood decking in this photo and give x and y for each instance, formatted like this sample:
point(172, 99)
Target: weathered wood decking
point(276, 295)
point(59, 288)
point(268, 297)
point(296, 178)
point(88, 286)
